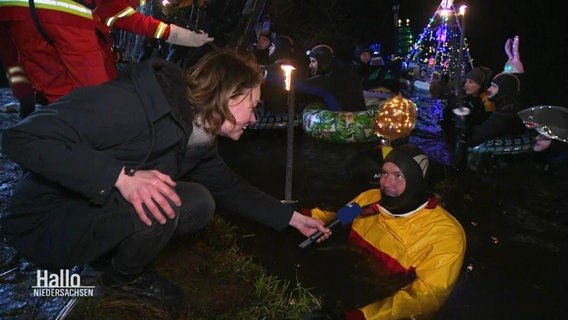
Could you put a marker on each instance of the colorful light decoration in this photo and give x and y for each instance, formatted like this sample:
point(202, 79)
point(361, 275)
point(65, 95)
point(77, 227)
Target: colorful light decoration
point(440, 41)
point(396, 119)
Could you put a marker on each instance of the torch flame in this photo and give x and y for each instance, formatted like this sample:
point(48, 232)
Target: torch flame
point(288, 74)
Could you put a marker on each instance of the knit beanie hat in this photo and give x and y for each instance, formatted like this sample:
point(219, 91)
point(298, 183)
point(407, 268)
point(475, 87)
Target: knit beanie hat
point(324, 55)
point(414, 164)
point(476, 75)
point(481, 76)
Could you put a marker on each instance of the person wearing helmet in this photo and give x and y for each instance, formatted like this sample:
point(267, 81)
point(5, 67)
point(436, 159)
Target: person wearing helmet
point(551, 144)
point(337, 85)
point(371, 70)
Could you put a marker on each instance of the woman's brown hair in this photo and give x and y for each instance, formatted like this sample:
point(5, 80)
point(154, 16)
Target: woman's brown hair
point(215, 79)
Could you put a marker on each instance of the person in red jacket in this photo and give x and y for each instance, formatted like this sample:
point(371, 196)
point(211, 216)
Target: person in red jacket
point(65, 45)
point(22, 88)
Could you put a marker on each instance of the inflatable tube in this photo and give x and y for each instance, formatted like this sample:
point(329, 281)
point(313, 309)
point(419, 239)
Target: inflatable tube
point(274, 122)
point(375, 98)
point(340, 126)
point(506, 145)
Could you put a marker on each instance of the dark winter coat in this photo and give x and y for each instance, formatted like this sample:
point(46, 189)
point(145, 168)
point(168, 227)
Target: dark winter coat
point(501, 123)
point(75, 148)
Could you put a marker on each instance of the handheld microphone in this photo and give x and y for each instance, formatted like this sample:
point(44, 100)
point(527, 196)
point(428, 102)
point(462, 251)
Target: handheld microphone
point(345, 215)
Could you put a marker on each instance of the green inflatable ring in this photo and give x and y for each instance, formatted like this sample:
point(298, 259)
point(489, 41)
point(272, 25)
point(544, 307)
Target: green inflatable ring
point(340, 126)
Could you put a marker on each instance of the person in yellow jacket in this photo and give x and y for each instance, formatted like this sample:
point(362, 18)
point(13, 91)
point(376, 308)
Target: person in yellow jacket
point(408, 233)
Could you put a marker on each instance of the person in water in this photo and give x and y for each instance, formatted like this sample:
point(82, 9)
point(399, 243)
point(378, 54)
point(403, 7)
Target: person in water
point(551, 145)
point(405, 230)
point(116, 170)
point(504, 92)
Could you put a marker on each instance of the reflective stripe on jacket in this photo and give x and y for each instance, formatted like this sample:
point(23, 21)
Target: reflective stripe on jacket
point(121, 14)
point(66, 6)
point(62, 12)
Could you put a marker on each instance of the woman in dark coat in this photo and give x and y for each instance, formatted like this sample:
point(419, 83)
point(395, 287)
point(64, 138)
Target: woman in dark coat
point(104, 167)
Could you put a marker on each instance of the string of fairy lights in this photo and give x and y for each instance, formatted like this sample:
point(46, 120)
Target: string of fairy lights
point(437, 47)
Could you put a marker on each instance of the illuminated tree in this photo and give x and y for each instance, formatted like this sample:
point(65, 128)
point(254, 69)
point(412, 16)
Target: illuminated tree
point(437, 50)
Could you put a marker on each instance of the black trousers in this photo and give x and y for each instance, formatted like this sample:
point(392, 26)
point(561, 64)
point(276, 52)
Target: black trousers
point(131, 243)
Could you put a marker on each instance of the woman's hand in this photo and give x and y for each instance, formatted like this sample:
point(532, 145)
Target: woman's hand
point(152, 189)
point(308, 226)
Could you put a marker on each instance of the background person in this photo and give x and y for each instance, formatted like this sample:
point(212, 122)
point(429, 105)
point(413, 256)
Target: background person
point(264, 48)
point(337, 85)
point(551, 145)
point(21, 86)
point(105, 167)
point(66, 45)
point(504, 92)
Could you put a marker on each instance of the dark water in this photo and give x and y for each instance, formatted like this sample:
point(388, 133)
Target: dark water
point(514, 215)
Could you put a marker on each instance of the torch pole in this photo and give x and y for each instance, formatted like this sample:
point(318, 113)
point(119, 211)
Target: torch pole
point(460, 49)
point(290, 137)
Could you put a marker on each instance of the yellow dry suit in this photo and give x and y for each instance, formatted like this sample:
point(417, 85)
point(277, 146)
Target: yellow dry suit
point(428, 242)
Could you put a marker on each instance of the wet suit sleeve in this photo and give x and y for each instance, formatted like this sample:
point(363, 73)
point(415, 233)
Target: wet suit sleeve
point(498, 124)
point(237, 195)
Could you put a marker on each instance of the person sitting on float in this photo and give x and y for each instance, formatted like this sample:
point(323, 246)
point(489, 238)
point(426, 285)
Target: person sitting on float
point(337, 85)
point(476, 96)
point(473, 104)
point(264, 48)
point(405, 230)
point(504, 92)
point(368, 67)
